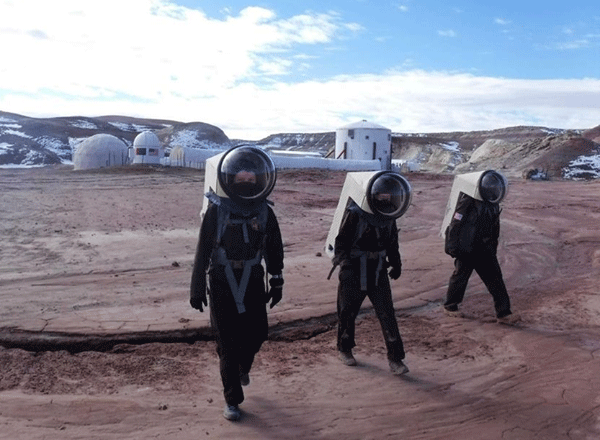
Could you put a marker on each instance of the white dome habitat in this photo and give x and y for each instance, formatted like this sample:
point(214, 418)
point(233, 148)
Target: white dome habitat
point(100, 151)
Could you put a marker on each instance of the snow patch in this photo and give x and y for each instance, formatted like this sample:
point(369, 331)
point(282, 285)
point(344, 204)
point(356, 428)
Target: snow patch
point(56, 146)
point(16, 133)
point(32, 158)
point(187, 138)
point(19, 165)
point(451, 146)
point(84, 124)
point(129, 127)
point(74, 143)
point(583, 168)
point(8, 126)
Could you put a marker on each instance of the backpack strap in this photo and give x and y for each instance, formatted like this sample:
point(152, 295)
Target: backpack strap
point(364, 256)
point(224, 220)
point(238, 290)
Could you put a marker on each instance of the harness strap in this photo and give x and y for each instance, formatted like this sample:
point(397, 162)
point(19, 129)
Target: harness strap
point(224, 220)
point(364, 256)
point(238, 290)
point(355, 252)
point(244, 224)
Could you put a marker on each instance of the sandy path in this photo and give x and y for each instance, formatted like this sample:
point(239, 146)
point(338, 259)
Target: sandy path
point(93, 254)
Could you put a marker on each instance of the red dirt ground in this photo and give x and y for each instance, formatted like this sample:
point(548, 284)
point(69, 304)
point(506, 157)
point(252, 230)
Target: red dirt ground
point(100, 342)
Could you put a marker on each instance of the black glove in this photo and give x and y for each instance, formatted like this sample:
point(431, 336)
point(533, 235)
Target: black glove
point(395, 272)
point(276, 290)
point(275, 294)
point(198, 296)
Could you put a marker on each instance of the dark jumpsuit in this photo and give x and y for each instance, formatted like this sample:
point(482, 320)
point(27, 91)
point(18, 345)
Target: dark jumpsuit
point(239, 336)
point(480, 222)
point(378, 240)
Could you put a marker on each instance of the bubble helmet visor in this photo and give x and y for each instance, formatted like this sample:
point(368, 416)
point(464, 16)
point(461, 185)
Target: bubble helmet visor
point(388, 195)
point(247, 174)
point(493, 186)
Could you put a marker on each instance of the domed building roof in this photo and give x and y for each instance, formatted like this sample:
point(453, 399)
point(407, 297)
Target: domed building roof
point(99, 151)
point(363, 124)
point(146, 139)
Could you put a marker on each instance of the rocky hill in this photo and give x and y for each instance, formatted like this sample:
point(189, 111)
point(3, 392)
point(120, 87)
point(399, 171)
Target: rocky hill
point(555, 153)
point(314, 142)
point(517, 151)
point(38, 141)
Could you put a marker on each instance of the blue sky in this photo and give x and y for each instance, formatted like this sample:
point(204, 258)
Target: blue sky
point(265, 67)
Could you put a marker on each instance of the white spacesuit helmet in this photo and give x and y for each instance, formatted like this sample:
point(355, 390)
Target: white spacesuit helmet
point(489, 186)
point(244, 173)
point(385, 194)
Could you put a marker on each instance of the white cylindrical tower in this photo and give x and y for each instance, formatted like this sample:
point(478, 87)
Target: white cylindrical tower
point(364, 141)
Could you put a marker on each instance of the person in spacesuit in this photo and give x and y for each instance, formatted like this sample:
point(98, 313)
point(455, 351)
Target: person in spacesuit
point(366, 246)
point(471, 239)
point(237, 233)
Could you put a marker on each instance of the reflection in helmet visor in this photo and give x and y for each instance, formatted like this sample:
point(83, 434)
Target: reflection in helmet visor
point(389, 195)
point(247, 173)
point(492, 187)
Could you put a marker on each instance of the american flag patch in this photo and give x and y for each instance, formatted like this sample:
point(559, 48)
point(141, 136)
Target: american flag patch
point(457, 216)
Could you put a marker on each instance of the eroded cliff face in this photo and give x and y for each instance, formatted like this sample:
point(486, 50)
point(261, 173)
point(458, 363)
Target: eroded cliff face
point(517, 151)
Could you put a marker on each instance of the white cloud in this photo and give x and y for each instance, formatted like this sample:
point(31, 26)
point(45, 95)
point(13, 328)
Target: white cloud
point(151, 58)
point(277, 66)
point(354, 27)
point(407, 101)
point(147, 48)
point(572, 45)
point(502, 21)
point(447, 33)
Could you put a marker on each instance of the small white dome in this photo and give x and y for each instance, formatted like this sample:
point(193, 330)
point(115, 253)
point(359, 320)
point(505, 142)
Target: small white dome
point(146, 139)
